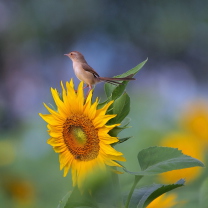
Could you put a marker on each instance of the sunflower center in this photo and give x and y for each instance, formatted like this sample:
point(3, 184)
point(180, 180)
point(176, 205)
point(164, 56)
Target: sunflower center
point(81, 137)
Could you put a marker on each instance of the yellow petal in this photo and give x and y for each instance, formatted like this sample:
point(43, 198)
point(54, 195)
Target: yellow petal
point(60, 149)
point(87, 105)
point(67, 167)
point(55, 142)
point(112, 163)
point(109, 150)
point(92, 110)
point(65, 97)
point(54, 113)
point(80, 96)
point(74, 172)
point(59, 103)
point(50, 119)
point(108, 139)
point(102, 111)
point(55, 134)
point(102, 120)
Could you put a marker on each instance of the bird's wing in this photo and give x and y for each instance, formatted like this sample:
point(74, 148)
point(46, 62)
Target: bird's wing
point(88, 68)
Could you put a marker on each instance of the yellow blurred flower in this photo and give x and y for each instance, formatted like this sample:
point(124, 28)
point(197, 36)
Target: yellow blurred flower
point(194, 119)
point(79, 134)
point(20, 191)
point(164, 201)
point(189, 146)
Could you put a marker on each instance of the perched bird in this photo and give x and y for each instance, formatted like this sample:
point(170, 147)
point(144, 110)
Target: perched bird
point(87, 74)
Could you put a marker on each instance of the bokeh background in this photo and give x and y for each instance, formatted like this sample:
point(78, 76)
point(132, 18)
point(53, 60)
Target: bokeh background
point(168, 100)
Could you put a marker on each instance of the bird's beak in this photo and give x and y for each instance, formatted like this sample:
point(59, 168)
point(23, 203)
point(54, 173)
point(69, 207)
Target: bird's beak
point(66, 54)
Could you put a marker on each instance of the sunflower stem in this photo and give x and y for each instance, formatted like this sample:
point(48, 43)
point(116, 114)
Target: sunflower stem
point(117, 191)
point(136, 180)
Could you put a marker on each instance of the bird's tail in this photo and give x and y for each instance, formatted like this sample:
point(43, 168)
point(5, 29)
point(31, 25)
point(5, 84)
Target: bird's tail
point(116, 80)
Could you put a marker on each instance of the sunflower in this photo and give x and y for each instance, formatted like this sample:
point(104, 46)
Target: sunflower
point(165, 200)
point(189, 145)
point(79, 133)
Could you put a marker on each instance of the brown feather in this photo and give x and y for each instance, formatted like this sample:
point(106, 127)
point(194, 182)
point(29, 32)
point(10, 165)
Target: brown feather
point(88, 68)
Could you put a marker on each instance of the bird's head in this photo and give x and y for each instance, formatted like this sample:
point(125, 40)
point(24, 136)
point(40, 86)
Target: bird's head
point(76, 56)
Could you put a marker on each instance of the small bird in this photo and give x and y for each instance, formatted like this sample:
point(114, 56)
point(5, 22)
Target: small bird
point(87, 74)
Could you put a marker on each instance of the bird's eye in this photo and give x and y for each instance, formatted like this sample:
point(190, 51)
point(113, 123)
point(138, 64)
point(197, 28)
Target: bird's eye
point(71, 54)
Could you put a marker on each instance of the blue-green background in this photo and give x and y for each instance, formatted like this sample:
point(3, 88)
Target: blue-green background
point(114, 36)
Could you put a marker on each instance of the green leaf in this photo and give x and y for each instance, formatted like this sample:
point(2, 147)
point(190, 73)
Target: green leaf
point(121, 140)
point(100, 105)
point(125, 122)
point(133, 70)
point(116, 91)
point(115, 131)
point(144, 196)
point(155, 160)
point(203, 199)
point(78, 200)
point(62, 203)
point(109, 89)
point(121, 107)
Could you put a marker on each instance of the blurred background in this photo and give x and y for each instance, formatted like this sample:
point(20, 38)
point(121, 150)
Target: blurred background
point(169, 100)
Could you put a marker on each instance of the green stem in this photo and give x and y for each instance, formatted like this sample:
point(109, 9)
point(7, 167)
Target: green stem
point(117, 190)
point(136, 180)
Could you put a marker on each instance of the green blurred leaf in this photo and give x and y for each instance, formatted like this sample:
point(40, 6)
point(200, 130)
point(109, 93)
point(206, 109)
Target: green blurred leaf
point(203, 194)
point(121, 107)
point(62, 203)
point(143, 196)
point(116, 91)
point(163, 159)
point(155, 160)
point(80, 200)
